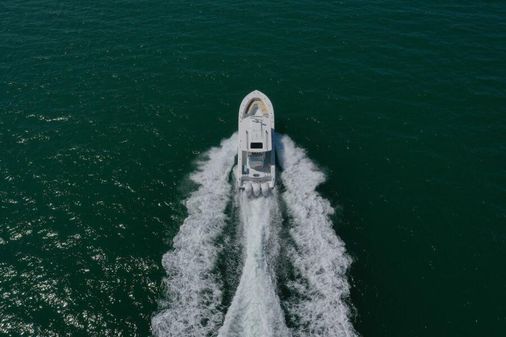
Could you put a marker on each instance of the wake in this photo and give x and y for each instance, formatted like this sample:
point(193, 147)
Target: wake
point(316, 306)
point(193, 291)
point(255, 309)
point(318, 255)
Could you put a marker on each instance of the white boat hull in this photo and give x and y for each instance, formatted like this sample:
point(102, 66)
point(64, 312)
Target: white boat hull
point(256, 171)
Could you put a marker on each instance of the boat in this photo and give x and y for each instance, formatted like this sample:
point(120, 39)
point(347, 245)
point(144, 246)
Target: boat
point(256, 171)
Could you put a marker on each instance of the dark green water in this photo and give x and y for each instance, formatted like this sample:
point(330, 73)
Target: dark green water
point(105, 107)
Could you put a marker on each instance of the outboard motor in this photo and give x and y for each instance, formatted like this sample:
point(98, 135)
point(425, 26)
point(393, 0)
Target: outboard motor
point(256, 189)
point(265, 189)
point(248, 189)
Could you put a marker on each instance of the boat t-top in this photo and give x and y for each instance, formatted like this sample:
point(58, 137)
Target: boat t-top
point(255, 164)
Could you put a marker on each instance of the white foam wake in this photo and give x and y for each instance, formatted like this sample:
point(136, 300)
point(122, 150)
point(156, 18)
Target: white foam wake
point(255, 310)
point(318, 255)
point(317, 292)
point(194, 294)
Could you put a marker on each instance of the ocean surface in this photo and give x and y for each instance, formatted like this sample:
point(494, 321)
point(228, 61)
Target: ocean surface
point(118, 215)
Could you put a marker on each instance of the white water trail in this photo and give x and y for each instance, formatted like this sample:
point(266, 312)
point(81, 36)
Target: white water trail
point(194, 294)
point(255, 310)
point(318, 255)
point(319, 289)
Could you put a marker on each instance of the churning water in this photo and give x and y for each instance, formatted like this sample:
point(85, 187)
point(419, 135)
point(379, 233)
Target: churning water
point(289, 232)
point(104, 105)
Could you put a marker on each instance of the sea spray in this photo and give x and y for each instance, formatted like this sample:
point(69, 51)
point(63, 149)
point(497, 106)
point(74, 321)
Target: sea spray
point(193, 292)
point(316, 305)
point(318, 256)
point(255, 310)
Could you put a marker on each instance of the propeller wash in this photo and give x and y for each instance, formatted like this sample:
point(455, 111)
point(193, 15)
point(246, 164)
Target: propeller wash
point(234, 252)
